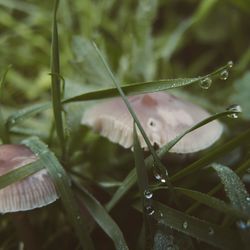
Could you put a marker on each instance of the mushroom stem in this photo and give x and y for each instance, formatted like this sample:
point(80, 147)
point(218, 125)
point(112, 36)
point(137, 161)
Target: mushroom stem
point(25, 231)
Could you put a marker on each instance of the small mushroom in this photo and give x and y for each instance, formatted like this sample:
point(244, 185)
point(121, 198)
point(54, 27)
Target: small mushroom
point(163, 117)
point(34, 191)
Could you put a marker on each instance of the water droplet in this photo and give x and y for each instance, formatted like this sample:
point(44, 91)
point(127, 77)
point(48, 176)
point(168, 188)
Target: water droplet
point(78, 217)
point(160, 177)
point(224, 75)
point(185, 225)
point(210, 231)
point(234, 108)
point(230, 64)
point(149, 210)
point(148, 194)
point(248, 199)
point(206, 83)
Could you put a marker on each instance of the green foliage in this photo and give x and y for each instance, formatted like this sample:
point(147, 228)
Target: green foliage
point(148, 46)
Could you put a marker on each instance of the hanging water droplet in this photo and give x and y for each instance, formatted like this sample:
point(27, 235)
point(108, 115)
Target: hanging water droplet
point(224, 75)
point(234, 108)
point(185, 225)
point(149, 210)
point(230, 64)
point(210, 231)
point(206, 83)
point(156, 175)
point(148, 194)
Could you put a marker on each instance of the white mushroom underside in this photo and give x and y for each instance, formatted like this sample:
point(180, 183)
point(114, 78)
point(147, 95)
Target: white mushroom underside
point(162, 116)
point(32, 192)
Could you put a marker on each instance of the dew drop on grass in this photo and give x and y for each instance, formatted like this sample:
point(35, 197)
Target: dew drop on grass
point(149, 210)
point(148, 194)
point(224, 75)
point(160, 177)
point(206, 83)
point(230, 64)
point(210, 231)
point(185, 225)
point(234, 108)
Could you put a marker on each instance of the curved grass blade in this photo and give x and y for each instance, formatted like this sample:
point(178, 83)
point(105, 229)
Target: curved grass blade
point(103, 219)
point(234, 188)
point(20, 173)
point(131, 177)
point(56, 82)
point(160, 168)
point(204, 231)
point(219, 150)
point(213, 202)
point(24, 113)
point(62, 183)
point(142, 87)
point(240, 170)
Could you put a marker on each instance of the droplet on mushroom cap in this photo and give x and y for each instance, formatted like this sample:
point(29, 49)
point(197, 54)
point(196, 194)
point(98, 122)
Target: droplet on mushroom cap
point(163, 117)
point(34, 191)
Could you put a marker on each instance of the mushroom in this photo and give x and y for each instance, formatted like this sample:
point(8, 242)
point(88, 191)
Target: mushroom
point(162, 116)
point(34, 191)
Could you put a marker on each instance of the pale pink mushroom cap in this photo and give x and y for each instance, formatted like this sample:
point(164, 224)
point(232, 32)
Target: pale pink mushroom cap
point(34, 191)
point(163, 117)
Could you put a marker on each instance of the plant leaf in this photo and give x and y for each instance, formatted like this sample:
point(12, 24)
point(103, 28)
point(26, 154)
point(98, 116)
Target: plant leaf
point(62, 183)
point(234, 188)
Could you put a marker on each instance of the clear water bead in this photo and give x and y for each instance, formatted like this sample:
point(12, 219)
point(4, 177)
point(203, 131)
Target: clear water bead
point(206, 83)
point(148, 194)
point(224, 75)
point(234, 108)
point(159, 176)
point(185, 225)
point(149, 210)
point(230, 64)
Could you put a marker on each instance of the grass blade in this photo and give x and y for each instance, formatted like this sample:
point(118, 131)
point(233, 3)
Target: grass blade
point(103, 219)
point(20, 173)
point(214, 203)
point(234, 188)
point(204, 231)
point(142, 87)
point(62, 183)
point(56, 81)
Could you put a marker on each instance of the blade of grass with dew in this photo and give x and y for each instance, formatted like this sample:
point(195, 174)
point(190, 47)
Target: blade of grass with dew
point(130, 180)
point(234, 187)
point(56, 81)
point(204, 231)
point(62, 183)
point(103, 219)
point(213, 202)
point(240, 171)
point(158, 164)
point(24, 113)
point(20, 173)
point(143, 87)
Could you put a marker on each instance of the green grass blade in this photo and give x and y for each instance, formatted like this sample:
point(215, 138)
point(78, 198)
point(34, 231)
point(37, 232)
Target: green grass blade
point(62, 183)
point(143, 87)
point(103, 219)
point(204, 231)
point(56, 81)
point(24, 113)
point(130, 180)
point(219, 150)
point(213, 203)
point(234, 187)
point(20, 173)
